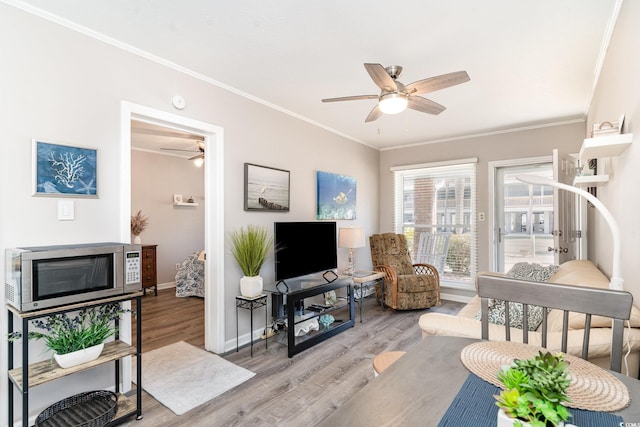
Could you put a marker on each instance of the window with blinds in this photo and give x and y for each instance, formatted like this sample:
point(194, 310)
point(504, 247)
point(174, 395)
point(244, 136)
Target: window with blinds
point(439, 199)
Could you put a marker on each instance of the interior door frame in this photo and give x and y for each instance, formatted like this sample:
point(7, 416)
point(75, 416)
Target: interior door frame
point(493, 166)
point(214, 208)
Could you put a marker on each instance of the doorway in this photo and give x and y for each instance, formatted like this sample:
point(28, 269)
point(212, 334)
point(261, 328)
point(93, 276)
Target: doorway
point(167, 165)
point(523, 214)
point(214, 208)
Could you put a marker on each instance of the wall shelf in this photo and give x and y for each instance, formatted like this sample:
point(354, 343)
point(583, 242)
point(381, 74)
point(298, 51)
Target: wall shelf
point(185, 204)
point(590, 180)
point(604, 146)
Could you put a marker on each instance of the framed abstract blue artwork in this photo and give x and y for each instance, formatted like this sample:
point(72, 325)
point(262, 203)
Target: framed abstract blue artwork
point(64, 171)
point(336, 196)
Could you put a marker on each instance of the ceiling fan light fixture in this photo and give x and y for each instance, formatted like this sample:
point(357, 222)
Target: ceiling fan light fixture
point(393, 103)
point(198, 162)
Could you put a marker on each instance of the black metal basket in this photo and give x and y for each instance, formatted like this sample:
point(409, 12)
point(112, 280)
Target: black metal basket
point(88, 409)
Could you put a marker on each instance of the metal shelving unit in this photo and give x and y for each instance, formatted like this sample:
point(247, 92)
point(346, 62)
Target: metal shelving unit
point(42, 372)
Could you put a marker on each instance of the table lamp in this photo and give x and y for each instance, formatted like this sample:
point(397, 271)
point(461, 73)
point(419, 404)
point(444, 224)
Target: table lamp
point(616, 280)
point(351, 238)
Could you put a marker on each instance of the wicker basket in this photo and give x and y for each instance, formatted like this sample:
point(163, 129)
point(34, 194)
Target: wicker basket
point(89, 409)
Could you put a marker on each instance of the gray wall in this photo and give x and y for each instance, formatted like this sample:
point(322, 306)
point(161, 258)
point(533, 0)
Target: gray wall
point(618, 92)
point(177, 230)
point(60, 85)
point(504, 146)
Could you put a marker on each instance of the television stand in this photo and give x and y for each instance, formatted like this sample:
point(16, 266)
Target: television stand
point(308, 320)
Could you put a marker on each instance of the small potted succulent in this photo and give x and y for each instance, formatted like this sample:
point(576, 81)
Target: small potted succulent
point(535, 390)
point(250, 248)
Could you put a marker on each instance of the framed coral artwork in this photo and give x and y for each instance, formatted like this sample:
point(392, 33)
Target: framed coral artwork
point(336, 196)
point(64, 171)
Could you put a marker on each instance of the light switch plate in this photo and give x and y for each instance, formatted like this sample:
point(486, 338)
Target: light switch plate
point(66, 210)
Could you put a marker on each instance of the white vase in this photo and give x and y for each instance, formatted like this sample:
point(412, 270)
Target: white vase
point(506, 421)
point(137, 240)
point(250, 286)
point(79, 357)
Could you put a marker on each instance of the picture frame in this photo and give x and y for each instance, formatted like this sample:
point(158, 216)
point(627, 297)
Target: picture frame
point(336, 196)
point(61, 170)
point(177, 198)
point(266, 188)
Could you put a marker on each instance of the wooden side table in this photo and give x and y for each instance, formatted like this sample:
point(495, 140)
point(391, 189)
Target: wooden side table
point(251, 303)
point(365, 280)
point(149, 268)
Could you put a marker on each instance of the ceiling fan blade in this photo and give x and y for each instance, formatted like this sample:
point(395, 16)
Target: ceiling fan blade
point(374, 114)
point(199, 156)
point(380, 77)
point(350, 98)
point(425, 105)
point(438, 82)
point(180, 149)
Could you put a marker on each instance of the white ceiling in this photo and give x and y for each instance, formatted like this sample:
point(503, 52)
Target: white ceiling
point(531, 63)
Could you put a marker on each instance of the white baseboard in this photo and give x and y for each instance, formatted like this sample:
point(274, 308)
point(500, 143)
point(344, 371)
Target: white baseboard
point(230, 345)
point(457, 298)
point(167, 285)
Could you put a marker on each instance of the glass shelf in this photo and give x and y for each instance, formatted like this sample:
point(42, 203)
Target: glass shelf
point(296, 311)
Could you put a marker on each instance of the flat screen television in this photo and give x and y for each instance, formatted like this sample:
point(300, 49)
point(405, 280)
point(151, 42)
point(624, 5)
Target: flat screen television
point(303, 248)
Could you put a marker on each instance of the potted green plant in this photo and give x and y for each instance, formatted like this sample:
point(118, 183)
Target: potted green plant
point(535, 390)
point(250, 247)
point(76, 339)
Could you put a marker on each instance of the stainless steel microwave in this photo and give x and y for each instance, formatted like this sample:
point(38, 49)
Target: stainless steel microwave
point(49, 276)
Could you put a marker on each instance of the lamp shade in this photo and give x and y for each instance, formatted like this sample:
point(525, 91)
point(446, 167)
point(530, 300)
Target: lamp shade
point(351, 237)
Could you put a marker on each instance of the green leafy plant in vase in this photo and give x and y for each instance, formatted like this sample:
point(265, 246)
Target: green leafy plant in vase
point(535, 390)
point(250, 247)
point(79, 337)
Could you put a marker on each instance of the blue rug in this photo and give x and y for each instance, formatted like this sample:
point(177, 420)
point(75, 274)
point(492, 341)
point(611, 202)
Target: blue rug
point(474, 405)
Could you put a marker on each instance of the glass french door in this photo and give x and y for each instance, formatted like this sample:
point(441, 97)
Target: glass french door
point(524, 217)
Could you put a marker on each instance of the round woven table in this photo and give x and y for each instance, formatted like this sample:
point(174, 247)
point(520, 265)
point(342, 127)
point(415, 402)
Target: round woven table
point(592, 387)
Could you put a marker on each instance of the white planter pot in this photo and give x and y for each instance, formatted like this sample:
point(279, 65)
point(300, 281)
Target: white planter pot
point(79, 357)
point(505, 421)
point(137, 240)
point(251, 286)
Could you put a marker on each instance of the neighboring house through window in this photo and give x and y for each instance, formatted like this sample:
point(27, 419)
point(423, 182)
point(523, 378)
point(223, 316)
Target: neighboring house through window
point(440, 198)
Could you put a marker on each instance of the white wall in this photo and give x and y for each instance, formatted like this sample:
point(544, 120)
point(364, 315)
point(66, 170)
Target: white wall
point(618, 92)
point(60, 85)
point(177, 230)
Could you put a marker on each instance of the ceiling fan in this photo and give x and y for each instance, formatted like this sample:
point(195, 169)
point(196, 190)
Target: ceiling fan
point(196, 149)
point(170, 139)
point(395, 97)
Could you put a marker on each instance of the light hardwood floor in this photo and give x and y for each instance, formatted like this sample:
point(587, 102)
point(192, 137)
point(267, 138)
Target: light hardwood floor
point(296, 391)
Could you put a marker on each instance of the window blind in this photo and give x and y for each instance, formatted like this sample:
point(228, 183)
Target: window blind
point(440, 198)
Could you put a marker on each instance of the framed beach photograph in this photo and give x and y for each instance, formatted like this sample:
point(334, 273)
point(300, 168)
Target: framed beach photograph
point(64, 171)
point(336, 196)
point(265, 188)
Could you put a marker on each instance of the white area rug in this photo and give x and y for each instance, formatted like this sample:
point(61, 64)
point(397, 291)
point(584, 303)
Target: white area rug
point(181, 376)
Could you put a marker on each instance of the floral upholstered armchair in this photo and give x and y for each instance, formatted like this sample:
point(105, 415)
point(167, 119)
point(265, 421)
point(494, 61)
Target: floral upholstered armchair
point(407, 286)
